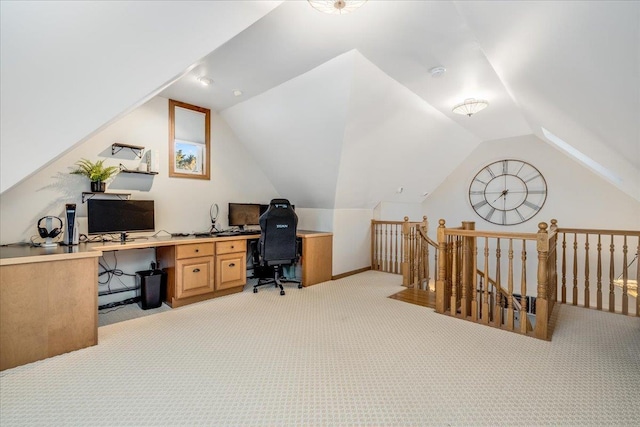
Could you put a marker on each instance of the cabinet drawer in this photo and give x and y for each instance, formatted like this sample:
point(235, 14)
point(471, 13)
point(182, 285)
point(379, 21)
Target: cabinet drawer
point(231, 270)
point(194, 250)
point(231, 247)
point(194, 276)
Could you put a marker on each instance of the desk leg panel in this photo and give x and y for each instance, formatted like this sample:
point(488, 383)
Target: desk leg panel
point(317, 259)
point(46, 309)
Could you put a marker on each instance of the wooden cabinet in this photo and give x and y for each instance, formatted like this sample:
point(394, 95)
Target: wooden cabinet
point(190, 272)
point(231, 264)
point(198, 271)
point(194, 276)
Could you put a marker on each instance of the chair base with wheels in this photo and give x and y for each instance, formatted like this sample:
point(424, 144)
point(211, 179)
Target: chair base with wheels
point(277, 280)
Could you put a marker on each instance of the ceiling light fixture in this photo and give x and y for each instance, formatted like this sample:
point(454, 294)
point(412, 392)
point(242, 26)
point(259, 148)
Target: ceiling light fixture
point(205, 81)
point(470, 106)
point(336, 7)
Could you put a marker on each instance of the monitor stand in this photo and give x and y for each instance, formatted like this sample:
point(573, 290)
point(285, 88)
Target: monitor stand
point(49, 243)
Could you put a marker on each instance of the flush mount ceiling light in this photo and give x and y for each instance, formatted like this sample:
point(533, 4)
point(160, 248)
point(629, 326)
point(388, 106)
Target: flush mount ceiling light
point(470, 106)
point(336, 7)
point(205, 81)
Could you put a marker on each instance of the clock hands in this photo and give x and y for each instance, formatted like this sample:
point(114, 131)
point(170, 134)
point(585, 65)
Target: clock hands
point(502, 194)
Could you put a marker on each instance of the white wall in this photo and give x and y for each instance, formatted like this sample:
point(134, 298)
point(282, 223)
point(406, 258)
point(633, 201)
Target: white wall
point(396, 211)
point(182, 205)
point(351, 240)
point(577, 198)
point(351, 234)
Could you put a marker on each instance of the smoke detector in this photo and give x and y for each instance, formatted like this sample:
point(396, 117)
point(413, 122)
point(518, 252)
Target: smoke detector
point(437, 72)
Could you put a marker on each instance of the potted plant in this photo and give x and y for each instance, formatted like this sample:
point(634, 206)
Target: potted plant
point(97, 173)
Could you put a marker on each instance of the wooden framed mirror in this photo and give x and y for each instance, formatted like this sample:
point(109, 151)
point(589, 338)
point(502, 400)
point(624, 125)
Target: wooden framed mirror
point(189, 135)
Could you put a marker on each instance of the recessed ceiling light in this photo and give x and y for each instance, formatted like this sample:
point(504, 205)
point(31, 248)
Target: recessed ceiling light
point(205, 81)
point(437, 72)
point(237, 92)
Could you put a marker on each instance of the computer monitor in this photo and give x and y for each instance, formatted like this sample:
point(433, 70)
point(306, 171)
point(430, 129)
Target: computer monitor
point(119, 216)
point(242, 214)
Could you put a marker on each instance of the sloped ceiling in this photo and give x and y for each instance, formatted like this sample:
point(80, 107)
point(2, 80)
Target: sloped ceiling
point(331, 100)
point(70, 68)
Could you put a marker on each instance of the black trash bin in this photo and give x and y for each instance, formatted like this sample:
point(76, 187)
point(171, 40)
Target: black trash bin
point(151, 288)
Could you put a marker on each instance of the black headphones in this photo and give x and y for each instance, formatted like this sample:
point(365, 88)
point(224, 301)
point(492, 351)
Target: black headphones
point(44, 233)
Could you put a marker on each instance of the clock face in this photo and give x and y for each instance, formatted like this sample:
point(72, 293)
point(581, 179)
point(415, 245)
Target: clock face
point(508, 192)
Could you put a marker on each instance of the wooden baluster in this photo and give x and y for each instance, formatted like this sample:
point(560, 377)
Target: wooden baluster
point(396, 266)
point(587, 291)
point(523, 290)
point(484, 315)
point(564, 268)
point(599, 274)
point(474, 283)
point(465, 299)
point(625, 277)
point(416, 255)
point(612, 295)
point(436, 272)
point(454, 277)
point(385, 261)
point(497, 319)
point(441, 287)
point(379, 246)
point(575, 269)
point(427, 266)
point(510, 313)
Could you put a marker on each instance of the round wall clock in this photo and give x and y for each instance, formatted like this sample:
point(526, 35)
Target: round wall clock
point(508, 192)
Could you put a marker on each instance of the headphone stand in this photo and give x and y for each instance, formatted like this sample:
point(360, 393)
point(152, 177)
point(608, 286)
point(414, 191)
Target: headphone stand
point(48, 243)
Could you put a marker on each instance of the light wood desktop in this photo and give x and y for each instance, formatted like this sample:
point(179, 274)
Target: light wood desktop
point(49, 297)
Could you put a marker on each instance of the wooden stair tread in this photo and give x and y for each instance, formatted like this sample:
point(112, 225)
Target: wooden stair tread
point(420, 297)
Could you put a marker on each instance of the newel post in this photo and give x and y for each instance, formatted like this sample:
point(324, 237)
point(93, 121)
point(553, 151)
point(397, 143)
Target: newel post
point(441, 291)
point(542, 302)
point(405, 252)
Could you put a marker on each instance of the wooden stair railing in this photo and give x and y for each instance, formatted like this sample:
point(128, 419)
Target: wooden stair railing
point(470, 267)
point(387, 246)
point(461, 249)
point(577, 267)
point(402, 247)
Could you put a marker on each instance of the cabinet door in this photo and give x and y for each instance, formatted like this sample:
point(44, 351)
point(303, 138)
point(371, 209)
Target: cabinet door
point(194, 276)
point(231, 270)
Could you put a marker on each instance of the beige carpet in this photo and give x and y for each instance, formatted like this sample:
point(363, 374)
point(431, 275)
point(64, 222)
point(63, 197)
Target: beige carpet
point(338, 353)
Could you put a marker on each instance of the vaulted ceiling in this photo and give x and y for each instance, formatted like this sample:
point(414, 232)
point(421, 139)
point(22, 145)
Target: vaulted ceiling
point(341, 111)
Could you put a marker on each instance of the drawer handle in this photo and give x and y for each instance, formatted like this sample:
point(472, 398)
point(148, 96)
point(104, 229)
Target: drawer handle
point(232, 246)
point(196, 270)
point(197, 250)
point(232, 265)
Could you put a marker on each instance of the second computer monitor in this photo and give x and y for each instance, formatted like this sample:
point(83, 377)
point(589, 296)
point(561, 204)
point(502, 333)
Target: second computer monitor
point(242, 214)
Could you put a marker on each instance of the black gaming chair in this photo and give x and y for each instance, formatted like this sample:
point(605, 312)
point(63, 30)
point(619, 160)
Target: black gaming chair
point(278, 245)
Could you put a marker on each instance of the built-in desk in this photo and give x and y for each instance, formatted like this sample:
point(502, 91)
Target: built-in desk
point(49, 296)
